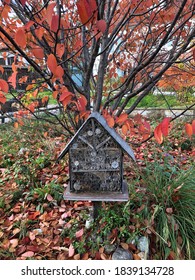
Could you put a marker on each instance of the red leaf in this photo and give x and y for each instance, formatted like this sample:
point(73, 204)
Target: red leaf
point(4, 86)
point(193, 126)
point(12, 79)
point(59, 72)
point(52, 63)
point(23, 2)
point(38, 52)
point(71, 250)
point(79, 233)
point(60, 50)
point(194, 54)
point(54, 23)
point(67, 100)
point(165, 126)
point(147, 126)
point(188, 128)
point(158, 134)
point(101, 25)
point(49, 12)
point(20, 38)
point(64, 95)
point(33, 215)
point(28, 25)
point(84, 10)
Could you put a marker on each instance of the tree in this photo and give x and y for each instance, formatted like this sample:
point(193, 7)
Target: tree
point(97, 55)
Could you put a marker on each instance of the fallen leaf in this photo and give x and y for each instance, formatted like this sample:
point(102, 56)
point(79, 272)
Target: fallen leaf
point(79, 233)
point(15, 231)
point(124, 246)
point(169, 210)
point(14, 242)
point(136, 257)
point(71, 250)
point(103, 256)
point(28, 254)
point(85, 256)
point(49, 197)
point(77, 257)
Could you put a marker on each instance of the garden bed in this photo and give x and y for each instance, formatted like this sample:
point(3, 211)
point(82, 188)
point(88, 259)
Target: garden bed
point(36, 223)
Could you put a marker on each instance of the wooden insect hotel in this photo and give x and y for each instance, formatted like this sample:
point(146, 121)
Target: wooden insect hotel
point(96, 162)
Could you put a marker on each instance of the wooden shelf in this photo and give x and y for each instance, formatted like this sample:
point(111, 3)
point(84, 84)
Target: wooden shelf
point(93, 170)
point(97, 196)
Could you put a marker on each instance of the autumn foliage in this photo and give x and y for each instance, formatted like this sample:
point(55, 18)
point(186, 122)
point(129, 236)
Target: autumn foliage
point(98, 55)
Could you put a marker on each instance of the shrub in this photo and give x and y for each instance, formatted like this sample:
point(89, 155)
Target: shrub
point(168, 194)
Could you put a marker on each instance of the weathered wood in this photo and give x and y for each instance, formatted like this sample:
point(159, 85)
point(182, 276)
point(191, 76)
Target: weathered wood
point(96, 162)
point(98, 196)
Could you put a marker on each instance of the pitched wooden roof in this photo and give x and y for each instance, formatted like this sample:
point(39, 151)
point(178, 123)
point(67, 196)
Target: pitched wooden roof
point(115, 136)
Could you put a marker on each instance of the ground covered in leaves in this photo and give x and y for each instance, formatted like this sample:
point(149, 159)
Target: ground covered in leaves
point(37, 223)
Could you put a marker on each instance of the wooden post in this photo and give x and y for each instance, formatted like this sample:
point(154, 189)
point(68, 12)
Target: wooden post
point(96, 208)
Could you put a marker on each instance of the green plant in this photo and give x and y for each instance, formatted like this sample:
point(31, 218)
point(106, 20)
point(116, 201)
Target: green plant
point(41, 192)
point(114, 219)
point(2, 202)
point(168, 194)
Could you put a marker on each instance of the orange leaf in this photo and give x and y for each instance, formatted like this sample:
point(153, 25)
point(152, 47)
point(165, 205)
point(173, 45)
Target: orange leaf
point(33, 215)
point(66, 101)
point(35, 93)
point(158, 134)
point(1, 69)
point(122, 118)
point(38, 52)
point(49, 12)
point(110, 120)
point(64, 95)
point(101, 25)
point(188, 128)
point(12, 79)
point(60, 50)
point(54, 23)
point(165, 126)
point(52, 63)
point(59, 72)
point(55, 94)
point(81, 103)
point(2, 98)
point(20, 38)
point(4, 86)
point(124, 129)
point(71, 250)
point(16, 125)
point(39, 32)
point(193, 126)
